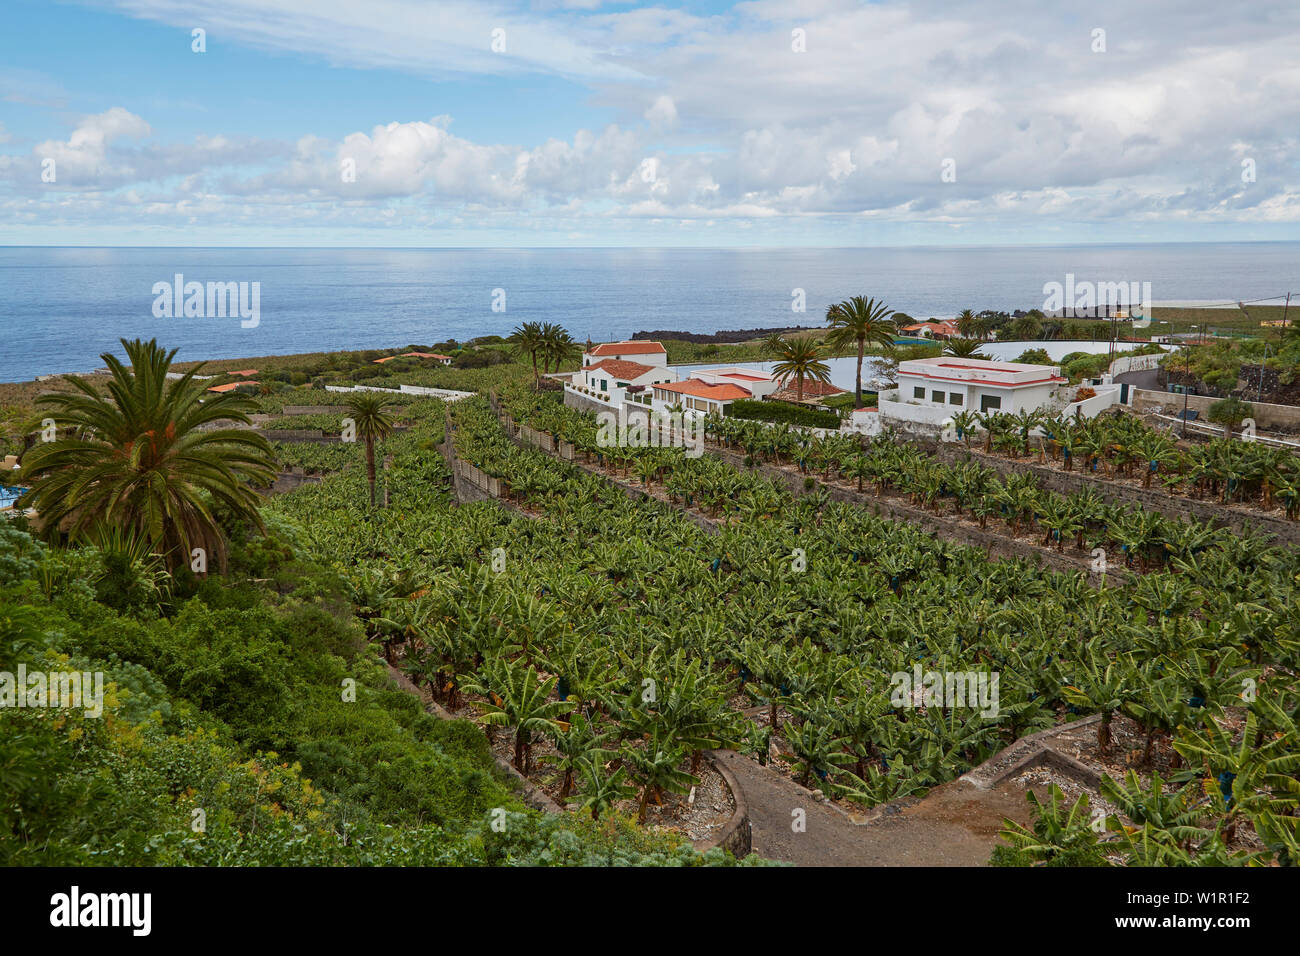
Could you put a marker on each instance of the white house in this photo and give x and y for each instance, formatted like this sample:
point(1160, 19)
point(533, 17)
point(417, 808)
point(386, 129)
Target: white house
point(609, 376)
point(711, 391)
point(758, 383)
point(698, 396)
point(931, 390)
point(978, 385)
point(642, 352)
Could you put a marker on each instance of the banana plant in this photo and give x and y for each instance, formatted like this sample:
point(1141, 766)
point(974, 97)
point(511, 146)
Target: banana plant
point(519, 698)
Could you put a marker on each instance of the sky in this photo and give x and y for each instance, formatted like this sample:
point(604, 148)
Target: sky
point(593, 123)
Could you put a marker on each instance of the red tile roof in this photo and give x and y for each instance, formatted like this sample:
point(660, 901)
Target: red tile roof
point(622, 369)
point(789, 391)
point(231, 386)
point(718, 393)
point(941, 326)
point(629, 348)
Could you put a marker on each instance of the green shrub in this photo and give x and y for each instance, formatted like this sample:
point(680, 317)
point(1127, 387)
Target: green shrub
point(783, 412)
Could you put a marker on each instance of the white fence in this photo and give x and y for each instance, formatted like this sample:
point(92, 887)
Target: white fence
point(1135, 363)
point(446, 394)
point(1107, 395)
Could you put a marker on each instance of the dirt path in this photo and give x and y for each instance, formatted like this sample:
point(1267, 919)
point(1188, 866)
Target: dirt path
point(954, 825)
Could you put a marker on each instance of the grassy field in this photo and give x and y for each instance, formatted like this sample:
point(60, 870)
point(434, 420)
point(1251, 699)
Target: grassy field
point(1228, 320)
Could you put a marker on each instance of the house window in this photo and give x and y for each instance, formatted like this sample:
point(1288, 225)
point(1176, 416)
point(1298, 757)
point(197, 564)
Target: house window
point(955, 398)
point(990, 403)
point(604, 385)
point(919, 392)
point(936, 397)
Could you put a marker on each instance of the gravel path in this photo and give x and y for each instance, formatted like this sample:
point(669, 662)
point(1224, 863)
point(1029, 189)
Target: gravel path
point(954, 825)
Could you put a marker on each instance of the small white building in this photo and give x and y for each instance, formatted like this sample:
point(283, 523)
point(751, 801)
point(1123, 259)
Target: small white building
point(642, 352)
point(978, 385)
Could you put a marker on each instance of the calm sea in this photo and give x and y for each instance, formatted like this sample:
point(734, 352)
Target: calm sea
point(61, 307)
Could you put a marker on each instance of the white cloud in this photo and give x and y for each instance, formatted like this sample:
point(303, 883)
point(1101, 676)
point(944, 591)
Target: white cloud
point(736, 124)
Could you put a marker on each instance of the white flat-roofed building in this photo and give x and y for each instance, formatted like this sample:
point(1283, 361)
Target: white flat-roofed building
point(931, 391)
point(977, 385)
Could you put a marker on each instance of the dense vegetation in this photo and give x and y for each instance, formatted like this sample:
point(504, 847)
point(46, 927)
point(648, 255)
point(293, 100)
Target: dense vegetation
point(615, 639)
point(247, 718)
point(783, 412)
point(815, 645)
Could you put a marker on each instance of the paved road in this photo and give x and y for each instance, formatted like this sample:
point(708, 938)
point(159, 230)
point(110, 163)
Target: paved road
point(954, 825)
point(1148, 378)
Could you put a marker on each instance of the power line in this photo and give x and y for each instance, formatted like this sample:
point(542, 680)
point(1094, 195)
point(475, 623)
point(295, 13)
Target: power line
point(1219, 305)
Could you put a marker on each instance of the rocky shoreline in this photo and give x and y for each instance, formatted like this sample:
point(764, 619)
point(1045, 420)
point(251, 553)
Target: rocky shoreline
point(724, 336)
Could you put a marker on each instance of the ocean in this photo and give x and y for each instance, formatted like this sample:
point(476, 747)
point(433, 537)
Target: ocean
point(63, 307)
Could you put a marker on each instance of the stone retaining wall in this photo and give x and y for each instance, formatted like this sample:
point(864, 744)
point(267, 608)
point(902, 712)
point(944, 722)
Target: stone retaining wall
point(737, 836)
point(1066, 482)
point(1266, 415)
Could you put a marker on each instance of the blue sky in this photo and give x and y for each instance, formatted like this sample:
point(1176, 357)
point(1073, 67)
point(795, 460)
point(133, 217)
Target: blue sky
point(773, 122)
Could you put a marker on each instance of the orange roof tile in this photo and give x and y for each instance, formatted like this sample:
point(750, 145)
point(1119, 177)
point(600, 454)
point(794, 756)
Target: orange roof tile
point(231, 386)
point(629, 348)
point(621, 368)
point(811, 389)
point(718, 393)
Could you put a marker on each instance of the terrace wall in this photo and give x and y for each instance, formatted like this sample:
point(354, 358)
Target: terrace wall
point(1153, 499)
point(1285, 417)
point(995, 544)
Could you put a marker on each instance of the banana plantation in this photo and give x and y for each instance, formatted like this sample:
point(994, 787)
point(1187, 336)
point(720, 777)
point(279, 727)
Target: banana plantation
point(1225, 470)
point(613, 641)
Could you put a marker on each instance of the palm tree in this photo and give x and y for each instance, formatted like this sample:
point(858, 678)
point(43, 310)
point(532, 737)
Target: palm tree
point(527, 339)
point(800, 360)
point(146, 457)
point(556, 346)
point(964, 348)
point(366, 409)
point(857, 321)
point(967, 324)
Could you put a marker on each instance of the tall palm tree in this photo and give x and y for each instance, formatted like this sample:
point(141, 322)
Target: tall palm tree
point(367, 411)
point(147, 458)
point(967, 323)
point(527, 339)
point(857, 321)
point(800, 359)
point(557, 345)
